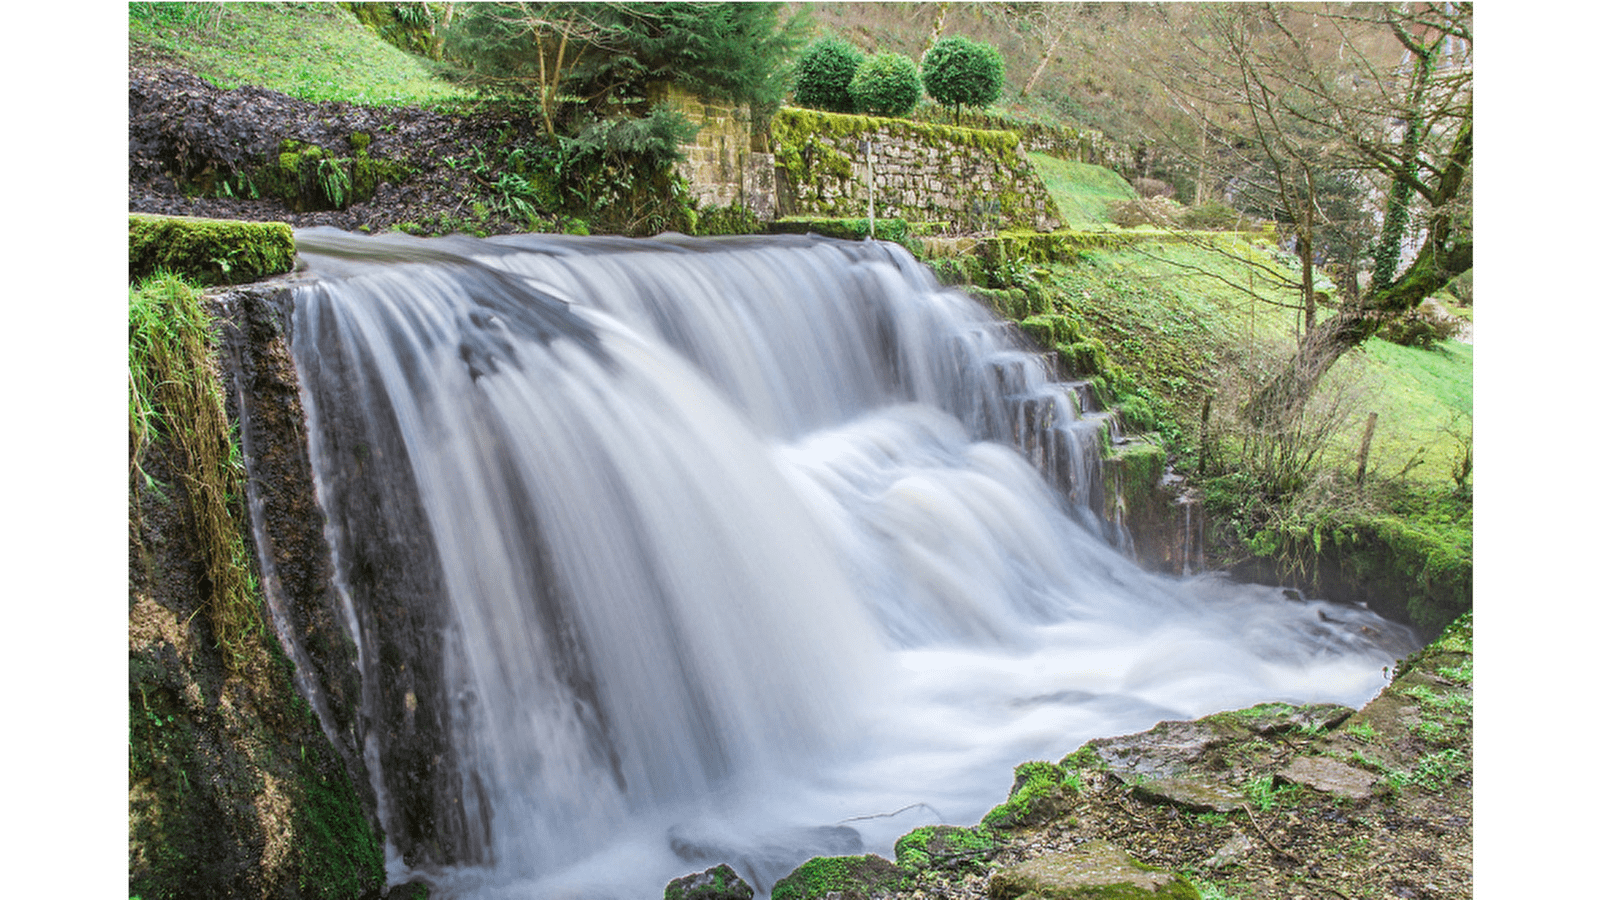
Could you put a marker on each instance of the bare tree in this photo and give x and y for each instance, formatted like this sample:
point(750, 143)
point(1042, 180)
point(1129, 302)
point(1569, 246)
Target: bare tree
point(1292, 103)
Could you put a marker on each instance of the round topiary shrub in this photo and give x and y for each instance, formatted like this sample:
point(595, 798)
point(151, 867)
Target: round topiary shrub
point(959, 72)
point(823, 75)
point(886, 85)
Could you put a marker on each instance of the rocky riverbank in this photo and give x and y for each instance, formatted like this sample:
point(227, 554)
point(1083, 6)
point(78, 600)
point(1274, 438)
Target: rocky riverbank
point(1274, 801)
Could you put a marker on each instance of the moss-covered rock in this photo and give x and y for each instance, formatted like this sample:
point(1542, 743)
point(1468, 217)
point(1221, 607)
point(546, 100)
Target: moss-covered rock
point(210, 251)
point(944, 846)
point(1040, 791)
point(850, 877)
point(717, 883)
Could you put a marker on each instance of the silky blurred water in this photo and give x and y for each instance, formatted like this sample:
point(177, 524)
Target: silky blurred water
point(740, 555)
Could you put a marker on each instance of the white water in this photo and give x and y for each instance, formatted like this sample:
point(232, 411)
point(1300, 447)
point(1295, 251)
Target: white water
point(734, 547)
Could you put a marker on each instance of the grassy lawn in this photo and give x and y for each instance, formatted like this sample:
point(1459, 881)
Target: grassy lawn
point(312, 51)
point(1083, 192)
point(1423, 399)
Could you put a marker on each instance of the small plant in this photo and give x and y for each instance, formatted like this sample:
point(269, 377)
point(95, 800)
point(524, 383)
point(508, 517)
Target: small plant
point(1363, 732)
point(1209, 890)
point(1264, 794)
point(1212, 819)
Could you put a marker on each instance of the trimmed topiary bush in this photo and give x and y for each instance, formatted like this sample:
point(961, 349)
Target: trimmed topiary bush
point(824, 73)
point(960, 72)
point(886, 85)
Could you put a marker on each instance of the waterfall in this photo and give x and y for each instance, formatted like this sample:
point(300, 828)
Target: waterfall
point(659, 553)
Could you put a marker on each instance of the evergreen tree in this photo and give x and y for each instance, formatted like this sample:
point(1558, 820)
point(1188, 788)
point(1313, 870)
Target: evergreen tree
point(959, 72)
point(823, 75)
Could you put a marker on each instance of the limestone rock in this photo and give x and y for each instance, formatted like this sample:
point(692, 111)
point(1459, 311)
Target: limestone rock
point(1322, 773)
point(1092, 870)
point(1195, 794)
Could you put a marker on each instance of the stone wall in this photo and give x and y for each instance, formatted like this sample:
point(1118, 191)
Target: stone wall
point(1061, 141)
point(723, 165)
point(973, 180)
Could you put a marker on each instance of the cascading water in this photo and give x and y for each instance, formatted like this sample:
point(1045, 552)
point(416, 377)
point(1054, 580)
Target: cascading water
point(660, 553)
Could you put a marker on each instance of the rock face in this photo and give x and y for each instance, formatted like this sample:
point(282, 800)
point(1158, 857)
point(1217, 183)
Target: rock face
point(1095, 870)
point(234, 788)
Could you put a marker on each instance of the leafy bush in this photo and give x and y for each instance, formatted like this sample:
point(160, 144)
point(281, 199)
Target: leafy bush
point(959, 72)
point(886, 84)
point(1152, 187)
point(824, 73)
point(1211, 216)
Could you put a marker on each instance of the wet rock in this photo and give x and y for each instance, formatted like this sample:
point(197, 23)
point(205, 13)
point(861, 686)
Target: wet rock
point(1330, 776)
point(765, 857)
point(841, 877)
point(1194, 794)
point(716, 883)
point(1095, 869)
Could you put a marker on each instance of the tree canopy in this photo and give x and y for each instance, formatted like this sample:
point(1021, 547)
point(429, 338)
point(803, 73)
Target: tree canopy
point(886, 85)
point(823, 76)
point(960, 72)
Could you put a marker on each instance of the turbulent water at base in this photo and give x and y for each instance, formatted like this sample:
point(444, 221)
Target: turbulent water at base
point(738, 550)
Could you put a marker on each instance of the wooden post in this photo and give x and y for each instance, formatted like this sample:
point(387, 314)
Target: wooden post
point(1366, 445)
point(1205, 423)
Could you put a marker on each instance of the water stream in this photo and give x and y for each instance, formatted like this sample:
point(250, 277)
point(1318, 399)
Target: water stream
point(662, 553)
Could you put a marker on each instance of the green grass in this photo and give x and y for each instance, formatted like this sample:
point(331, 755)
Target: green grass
point(1423, 399)
point(1083, 192)
point(312, 51)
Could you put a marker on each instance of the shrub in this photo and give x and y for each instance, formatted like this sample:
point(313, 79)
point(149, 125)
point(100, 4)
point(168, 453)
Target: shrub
point(824, 73)
point(886, 85)
point(1155, 211)
point(1211, 216)
point(1152, 187)
point(958, 72)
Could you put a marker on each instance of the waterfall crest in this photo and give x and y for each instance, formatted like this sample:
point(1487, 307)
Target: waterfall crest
point(653, 547)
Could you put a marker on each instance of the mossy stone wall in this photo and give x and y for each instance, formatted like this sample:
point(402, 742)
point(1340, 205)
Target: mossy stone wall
point(210, 251)
point(726, 164)
point(976, 180)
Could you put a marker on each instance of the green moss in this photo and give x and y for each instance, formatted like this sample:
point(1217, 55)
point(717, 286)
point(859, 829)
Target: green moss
point(851, 877)
point(1040, 791)
point(210, 251)
point(944, 846)
point(719, 883)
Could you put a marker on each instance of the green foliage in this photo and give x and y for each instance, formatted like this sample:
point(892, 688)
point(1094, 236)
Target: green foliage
point(1433, 772)
point(886, 84)
point(609, 53)
point(959, 72)
point(1264, 794)
point(175, 401)
point(823, 76)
